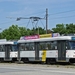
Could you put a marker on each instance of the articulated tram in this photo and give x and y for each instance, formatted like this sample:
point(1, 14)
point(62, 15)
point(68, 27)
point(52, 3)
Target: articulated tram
point(48, 50)
point(8, 51)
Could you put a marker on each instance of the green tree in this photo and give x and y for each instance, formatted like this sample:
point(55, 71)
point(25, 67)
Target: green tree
point(39, 30)
point(13, 32)
point(70, 28)
point(64, 28)
point(60, 28)
point(0, 35)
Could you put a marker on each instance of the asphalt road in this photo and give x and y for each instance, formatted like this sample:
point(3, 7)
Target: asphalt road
point(33, 69)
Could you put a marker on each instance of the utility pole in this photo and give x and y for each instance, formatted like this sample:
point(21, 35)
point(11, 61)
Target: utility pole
point(46, 20)
point(35, 19)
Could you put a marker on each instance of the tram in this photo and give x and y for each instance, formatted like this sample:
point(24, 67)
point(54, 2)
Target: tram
point(47, 50)
point(8, 51)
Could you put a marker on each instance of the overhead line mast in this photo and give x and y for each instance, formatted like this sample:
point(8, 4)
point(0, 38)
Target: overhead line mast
point(35, 19)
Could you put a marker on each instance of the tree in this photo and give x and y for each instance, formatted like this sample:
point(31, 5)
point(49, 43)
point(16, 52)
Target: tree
point(60, 28)
point(0, 36)
point(70, 28)
point(38, 31)
point(64, 28)
point(13, 32)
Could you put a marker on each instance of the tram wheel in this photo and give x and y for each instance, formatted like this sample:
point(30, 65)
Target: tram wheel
point(48, 61)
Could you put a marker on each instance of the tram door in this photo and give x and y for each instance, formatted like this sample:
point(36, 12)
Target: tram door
point(7, 52)
point(61, 50)
point(18, 52)
point(36, 51)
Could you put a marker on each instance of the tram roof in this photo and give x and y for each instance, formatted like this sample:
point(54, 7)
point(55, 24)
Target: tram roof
point(6, 42)
point(47, 39)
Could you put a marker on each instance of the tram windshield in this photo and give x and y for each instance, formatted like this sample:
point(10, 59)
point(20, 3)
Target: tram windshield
point(72, 44)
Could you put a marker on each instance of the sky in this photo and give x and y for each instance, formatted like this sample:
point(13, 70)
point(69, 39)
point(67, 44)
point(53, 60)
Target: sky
point(59, 11)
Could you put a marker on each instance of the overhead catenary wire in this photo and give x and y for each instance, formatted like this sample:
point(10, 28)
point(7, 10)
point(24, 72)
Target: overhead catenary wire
point(50, 15)
point(62, 12)
point(62, 17)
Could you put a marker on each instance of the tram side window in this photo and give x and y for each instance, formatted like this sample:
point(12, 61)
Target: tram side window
point(48, 45)
point(27, 46)
point(53, 45)
point(42, 45)
point(2, 48)
point(22, 47)
point(31, 46)
point(67, 45)
point(72, 45)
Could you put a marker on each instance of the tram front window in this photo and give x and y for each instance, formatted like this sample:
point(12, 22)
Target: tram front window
point(72, 44)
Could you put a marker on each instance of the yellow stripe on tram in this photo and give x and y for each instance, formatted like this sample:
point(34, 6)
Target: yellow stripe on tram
point(44, 55)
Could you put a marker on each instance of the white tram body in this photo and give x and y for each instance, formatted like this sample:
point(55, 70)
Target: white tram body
point(49, 50)
point(7, 52)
